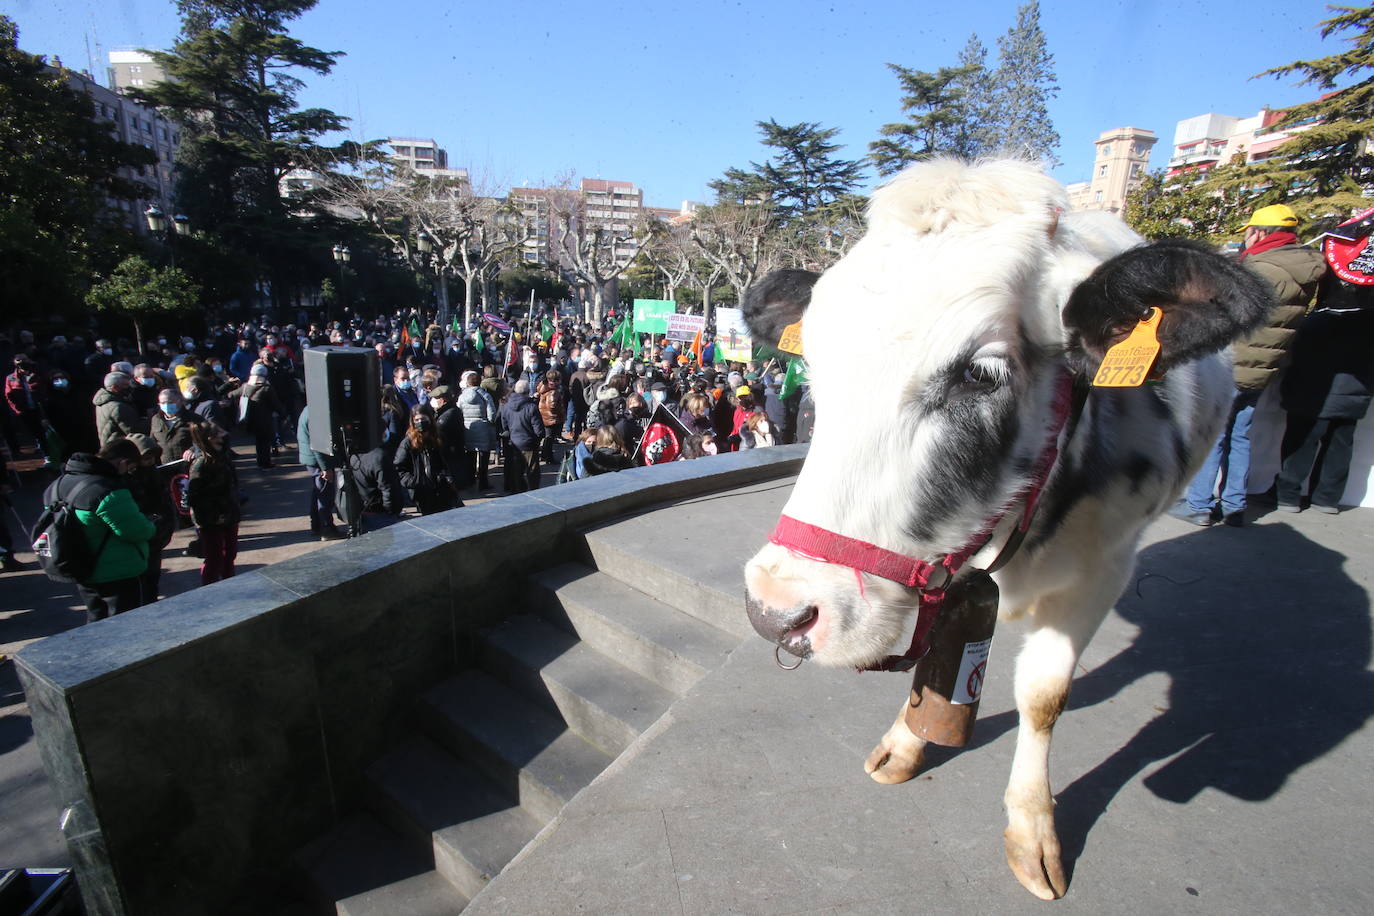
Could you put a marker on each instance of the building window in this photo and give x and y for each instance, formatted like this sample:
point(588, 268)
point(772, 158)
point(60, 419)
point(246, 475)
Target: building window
point(135, 69)
point(1135, 170)
point(1097, 198)
point(1102, 172)
point(1106, 149)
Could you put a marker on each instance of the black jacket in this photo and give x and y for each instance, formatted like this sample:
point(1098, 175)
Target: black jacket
point(1332, 373)
point(379, 486)
point(449, 423)
point(521, 415)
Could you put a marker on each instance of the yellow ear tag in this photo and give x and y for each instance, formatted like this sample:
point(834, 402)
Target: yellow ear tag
point(1127, 364)
point(791, 340)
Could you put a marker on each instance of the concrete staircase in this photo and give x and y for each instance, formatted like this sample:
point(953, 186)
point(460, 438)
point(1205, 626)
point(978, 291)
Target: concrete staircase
point(561, 689)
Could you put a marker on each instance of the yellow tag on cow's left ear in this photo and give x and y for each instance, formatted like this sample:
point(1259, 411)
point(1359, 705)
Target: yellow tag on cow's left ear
point(790, 341)
point(1127, 364)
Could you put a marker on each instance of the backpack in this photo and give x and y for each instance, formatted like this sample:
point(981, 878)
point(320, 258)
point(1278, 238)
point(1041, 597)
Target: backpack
point(58, 539)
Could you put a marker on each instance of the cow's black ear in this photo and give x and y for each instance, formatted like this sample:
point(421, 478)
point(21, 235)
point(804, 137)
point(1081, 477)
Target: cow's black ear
point(1208, 300)
point(777, 301)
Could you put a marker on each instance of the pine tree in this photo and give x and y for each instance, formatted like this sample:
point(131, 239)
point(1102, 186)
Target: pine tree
point(978, 118)
point(805, 173)
point(1023, 85)
point(1322, 170)
point(233, 90)
point(937, 119)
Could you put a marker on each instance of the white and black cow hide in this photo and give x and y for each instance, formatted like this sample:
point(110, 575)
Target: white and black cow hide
point(971, 293)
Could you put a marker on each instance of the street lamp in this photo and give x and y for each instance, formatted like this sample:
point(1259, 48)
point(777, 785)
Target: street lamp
point(424, 243)
point(157, 224)
point(341, 257)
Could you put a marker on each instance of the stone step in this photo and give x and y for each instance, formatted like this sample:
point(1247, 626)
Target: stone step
point(471, 827)
point(360, 855)
point(526, 750)
point(423, 895)
point(717, 601)
point(598, 698)
point(642, 633)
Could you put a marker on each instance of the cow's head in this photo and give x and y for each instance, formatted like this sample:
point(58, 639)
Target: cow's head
point(933, 349)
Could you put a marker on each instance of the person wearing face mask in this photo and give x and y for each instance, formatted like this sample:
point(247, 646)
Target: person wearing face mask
point(420, 464)
point(172, 424)
point(145, 389)
point(202, 400)
point(241, 363)
point(115, 414)
point(405, 388)
point(256, 407)
point(116, 531)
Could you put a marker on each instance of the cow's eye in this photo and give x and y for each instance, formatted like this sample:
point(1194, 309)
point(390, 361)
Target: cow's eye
point(984, 375)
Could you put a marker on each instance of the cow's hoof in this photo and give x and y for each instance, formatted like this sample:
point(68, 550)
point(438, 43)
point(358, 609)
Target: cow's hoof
point(898, 756)
point(1036, 863)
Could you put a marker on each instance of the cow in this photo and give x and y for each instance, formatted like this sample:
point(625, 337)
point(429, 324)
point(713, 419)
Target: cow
point(974, 300)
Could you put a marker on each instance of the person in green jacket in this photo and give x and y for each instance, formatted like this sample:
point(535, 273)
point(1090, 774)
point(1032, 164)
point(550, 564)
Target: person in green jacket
point(117, 532)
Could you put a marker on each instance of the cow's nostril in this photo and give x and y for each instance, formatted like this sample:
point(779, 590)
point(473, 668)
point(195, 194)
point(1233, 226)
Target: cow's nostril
point(773, 624)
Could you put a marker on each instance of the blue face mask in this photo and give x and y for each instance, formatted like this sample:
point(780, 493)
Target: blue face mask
point(147, 382)
point(60, 383)
point(404, 385)
point(168, 409)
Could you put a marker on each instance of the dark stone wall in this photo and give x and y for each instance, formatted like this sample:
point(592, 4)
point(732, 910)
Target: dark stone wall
point(196, 743)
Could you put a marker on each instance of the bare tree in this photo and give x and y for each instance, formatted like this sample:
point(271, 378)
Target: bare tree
point(440, 226)
point(737, 238)
point(669, 250)
point(591, 253)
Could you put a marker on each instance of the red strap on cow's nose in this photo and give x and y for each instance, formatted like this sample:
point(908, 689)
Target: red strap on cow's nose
point(817, 543)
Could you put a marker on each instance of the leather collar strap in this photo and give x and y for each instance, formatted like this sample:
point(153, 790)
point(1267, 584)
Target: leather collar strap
point(825, 546)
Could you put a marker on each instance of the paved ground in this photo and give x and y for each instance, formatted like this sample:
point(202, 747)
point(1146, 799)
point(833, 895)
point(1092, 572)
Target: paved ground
point(275, 527)
point(1214, 758)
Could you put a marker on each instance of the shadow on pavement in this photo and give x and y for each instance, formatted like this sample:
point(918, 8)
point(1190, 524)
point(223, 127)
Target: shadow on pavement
point(1266, 642)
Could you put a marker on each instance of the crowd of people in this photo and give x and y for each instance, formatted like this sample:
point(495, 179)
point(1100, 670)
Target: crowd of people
point(137, 438)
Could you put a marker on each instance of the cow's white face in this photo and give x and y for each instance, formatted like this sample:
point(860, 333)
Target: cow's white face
point(933, 349)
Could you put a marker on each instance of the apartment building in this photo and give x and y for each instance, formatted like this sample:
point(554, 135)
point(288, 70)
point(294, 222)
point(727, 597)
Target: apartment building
point(136, 124)
point(424, 157)
point(130, 69)
point(1120, 162)
point(618, 206)
point(1206, 140)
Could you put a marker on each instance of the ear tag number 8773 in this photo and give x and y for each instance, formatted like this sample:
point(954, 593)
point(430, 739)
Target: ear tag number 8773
point(1127, 365)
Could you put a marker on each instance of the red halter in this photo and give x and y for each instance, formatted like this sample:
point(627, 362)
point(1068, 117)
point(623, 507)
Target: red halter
point(825, 546)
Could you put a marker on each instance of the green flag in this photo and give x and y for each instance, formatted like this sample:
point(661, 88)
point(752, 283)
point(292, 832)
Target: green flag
point(480, 342)
point(454, 326)
point(415, 330)
point(546, 329)
point(795, 378)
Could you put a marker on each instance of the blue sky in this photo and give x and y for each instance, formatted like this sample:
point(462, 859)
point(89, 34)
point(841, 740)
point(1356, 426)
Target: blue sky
point(666, 94)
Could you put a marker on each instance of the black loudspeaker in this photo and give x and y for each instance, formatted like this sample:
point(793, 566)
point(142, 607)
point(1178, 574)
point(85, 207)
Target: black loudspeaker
point(343, 392)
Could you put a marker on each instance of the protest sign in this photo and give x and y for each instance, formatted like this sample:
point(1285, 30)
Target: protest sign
point(651, 315)
point(685, 327)
point(733, 342)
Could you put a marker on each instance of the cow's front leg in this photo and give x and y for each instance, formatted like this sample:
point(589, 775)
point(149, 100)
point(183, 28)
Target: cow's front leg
point(899, 754)
point(1065, 622)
